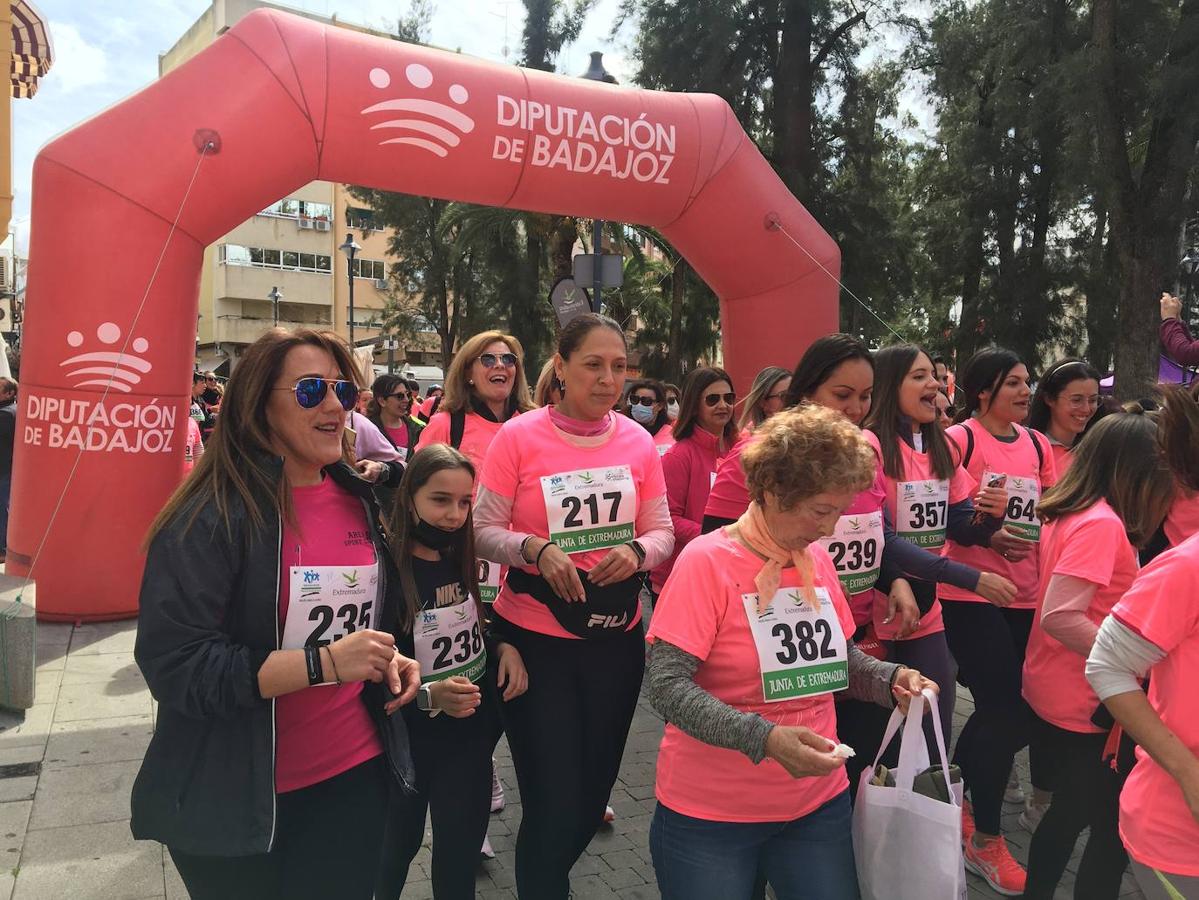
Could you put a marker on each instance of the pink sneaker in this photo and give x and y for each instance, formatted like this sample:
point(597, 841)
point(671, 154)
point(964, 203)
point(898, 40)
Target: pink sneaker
point(993, 862)
point(967, 822)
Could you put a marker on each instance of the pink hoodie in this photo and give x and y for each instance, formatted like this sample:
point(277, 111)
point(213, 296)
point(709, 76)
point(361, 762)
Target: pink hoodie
point(690, 468)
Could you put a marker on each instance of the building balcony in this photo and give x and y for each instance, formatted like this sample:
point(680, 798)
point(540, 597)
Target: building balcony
point(242, 330)
point(233, 282)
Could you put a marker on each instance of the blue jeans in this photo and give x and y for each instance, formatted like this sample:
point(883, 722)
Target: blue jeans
point(809, 858)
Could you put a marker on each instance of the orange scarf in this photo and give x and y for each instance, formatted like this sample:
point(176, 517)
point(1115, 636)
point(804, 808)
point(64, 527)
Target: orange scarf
point(751, 527)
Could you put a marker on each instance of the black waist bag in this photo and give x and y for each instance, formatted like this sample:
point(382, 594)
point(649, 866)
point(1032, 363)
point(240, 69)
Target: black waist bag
point(607, 611)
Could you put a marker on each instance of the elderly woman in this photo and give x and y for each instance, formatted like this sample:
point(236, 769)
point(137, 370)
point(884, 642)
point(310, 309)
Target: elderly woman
point(266, 574)
point(750, 639)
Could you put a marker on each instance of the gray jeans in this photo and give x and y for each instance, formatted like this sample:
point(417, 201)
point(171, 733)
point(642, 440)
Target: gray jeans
point(1153, 889)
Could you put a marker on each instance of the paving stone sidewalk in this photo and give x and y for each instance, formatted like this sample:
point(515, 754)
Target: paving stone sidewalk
point(68, 764)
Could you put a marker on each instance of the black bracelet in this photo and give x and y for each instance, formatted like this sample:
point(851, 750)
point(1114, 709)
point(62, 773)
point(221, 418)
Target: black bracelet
point(316, 671)
point(537, 561)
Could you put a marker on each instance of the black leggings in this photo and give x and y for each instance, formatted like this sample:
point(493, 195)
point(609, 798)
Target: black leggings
point(988, 643)
point(327, 840)
point(453, 782)
point(567, 735)
point(1086, 794)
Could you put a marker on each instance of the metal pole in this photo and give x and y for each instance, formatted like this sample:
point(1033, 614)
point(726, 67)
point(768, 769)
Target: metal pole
point(597, 278)
point(350, 274)
point(391, 356)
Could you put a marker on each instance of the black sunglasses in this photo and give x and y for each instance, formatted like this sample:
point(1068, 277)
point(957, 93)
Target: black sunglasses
point(490, 359)
point(311, 392)
point(642, 401)
point(712, 399)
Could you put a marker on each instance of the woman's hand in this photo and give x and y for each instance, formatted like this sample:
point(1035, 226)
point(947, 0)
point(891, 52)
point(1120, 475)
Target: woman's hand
point(370, 470)
point(456, 696)
point(403, 680)
point(902, 602)
point(1010, 545)
point(909, 682)
point(513, 677)
point(992, 501)
point(556, 568)
point(364, 656)
point(801, 751)
point(619, 563)
point(1171, 306)
point(995, 589)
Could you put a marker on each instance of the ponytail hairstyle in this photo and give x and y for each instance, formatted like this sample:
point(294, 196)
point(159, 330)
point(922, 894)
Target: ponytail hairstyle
point(985, 372)
point(1053, 382)
point(422, 466)
point(1117, 461)
point(891, 367)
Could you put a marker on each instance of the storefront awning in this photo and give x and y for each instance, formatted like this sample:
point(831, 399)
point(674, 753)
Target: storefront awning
point(32, 48)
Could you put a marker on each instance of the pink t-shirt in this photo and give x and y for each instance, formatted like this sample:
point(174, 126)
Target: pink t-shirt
point(1091, 545)
point(193, 447)
point(664, 439)
point(1163, 607)
point(917, 466)
point(701, 612)
point(399, 437)
point(729, 497)
point(1183, 518)
point(689, 467)
point(322, 731)
point(529, 448)
point(477, 435)
point(1062, 457)
point(868, 501)
point(1017, 460)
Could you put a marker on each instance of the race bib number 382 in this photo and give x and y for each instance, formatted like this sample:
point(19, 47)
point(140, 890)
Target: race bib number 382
point(801, 651)
point(590, 509)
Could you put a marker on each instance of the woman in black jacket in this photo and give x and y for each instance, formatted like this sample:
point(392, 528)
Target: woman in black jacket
point(270, 767)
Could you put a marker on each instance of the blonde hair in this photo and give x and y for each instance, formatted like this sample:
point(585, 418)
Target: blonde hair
point(801, 452)
point(456, 397)
point(546, 382)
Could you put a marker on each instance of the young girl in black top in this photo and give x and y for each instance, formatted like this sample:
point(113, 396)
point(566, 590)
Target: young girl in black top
point(454, 723)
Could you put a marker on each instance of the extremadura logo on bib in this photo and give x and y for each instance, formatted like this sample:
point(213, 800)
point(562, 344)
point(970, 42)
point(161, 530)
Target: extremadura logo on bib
point(801, 651)
point(590, 509)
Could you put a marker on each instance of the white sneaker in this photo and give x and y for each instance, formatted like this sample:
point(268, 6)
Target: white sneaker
point(485, 851)
point(609, 815)
point(1032, 815)
point(497, 790)
point(1014, 793)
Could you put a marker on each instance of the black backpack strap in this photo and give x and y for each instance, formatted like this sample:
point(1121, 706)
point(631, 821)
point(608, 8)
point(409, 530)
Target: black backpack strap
point(969, 446)
point(457, 427)
point(1040, 452)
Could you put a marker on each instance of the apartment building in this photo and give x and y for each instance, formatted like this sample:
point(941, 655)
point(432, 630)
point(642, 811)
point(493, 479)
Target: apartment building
point(283, 264)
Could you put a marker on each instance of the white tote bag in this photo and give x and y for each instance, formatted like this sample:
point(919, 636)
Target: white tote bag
point(909, 846)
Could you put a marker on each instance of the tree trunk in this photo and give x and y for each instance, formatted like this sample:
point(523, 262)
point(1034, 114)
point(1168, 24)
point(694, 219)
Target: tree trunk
point(678, 290)
point(794, 154)
point(1101, 305)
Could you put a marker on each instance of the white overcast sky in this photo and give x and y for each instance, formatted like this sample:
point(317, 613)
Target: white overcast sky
point(107, 49)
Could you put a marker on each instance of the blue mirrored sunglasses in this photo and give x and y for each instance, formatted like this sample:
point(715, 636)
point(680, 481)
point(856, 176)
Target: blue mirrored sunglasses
point(311, 392)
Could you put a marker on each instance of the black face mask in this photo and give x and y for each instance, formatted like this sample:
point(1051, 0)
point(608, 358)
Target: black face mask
point(436, 538)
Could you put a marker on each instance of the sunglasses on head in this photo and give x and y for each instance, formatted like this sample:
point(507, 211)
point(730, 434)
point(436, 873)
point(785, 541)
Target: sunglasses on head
point(311, 392)
point(490, 359)
point(712, 399)
point(642, 401)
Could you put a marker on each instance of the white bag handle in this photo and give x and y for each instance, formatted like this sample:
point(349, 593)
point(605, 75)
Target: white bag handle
point(913, 750)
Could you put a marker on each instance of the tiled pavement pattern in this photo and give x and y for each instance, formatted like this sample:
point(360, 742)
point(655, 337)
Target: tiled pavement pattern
point(67, 766)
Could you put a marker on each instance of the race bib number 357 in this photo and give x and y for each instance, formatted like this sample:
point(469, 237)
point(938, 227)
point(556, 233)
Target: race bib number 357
point(922, 512)
point(590, 509)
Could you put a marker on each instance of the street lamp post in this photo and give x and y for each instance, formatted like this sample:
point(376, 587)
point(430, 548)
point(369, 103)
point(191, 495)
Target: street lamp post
point(597, 72)
point(275, 296)
point(350, 248)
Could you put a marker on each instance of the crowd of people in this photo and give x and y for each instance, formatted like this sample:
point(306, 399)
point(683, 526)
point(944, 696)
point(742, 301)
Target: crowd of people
point(402, 579)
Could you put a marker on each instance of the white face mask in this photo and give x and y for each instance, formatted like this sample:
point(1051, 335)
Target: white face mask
point(643, 414)
point(672, 410)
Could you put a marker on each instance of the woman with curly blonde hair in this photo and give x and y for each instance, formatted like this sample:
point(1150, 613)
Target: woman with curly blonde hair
point(750, 638)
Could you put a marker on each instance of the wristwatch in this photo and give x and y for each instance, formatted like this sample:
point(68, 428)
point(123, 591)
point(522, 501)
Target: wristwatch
point(424, 699)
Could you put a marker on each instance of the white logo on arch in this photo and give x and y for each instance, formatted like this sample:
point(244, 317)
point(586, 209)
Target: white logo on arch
point(99, 368)
point(437, 136)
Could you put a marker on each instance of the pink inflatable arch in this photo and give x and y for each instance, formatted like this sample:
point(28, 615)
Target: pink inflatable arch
point(281, 101)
